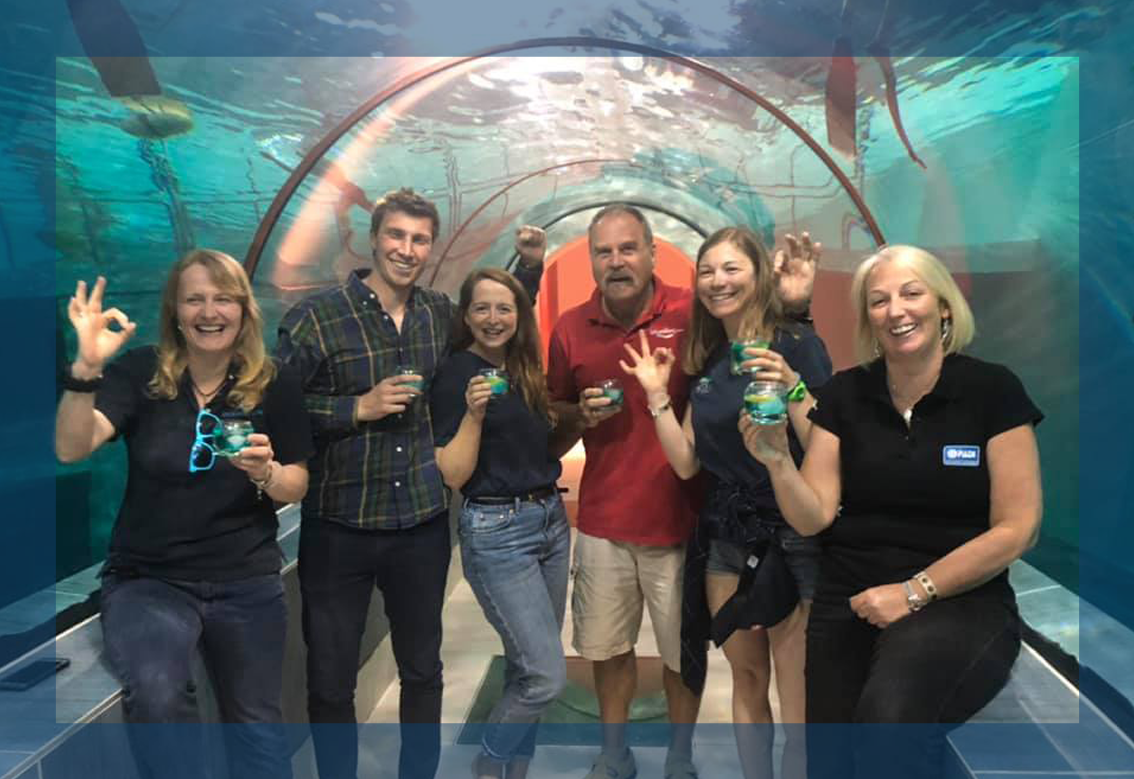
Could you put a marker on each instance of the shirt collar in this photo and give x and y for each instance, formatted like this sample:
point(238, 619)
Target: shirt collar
point(597, 315)
point(360, 292)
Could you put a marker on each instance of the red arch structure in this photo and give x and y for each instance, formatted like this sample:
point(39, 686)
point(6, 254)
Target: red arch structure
point(283, 197)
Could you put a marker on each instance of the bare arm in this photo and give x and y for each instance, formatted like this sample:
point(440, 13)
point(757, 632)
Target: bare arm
point(652, 370)
point(677, 440)
point(79, 427)
point(1016, 498)
point(1016, 507)
point(569, 427)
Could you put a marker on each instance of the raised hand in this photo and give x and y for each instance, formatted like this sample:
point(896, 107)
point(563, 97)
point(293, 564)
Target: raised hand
point(767, 443)
point(392, 395)
point(477, 395)
point(97, 341)
point(795, 270)
point(531, 244)
point(652, 369)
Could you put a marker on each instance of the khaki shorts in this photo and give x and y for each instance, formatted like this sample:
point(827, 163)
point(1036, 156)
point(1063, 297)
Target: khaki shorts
point(612, 581)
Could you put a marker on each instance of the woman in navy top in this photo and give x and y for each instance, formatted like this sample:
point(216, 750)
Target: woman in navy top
point(740, 523)
point(514, 535)
point(193, 558)
point(932, 457)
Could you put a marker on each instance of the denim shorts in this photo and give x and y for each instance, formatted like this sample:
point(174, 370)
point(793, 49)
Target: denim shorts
point(801, 553)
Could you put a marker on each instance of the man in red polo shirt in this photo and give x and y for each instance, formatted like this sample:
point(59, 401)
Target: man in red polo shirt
point(635, 514)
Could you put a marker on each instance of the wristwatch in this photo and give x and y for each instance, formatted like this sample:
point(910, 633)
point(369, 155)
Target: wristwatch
point(798, 392)
point(913, 600)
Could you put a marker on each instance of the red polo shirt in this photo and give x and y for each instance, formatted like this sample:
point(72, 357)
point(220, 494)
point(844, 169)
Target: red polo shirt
point(628, 492)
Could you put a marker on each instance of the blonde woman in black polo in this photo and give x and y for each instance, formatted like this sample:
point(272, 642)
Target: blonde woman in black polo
point(922, 473)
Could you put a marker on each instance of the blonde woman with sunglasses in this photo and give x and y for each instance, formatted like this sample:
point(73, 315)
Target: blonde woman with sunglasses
point(215, 432)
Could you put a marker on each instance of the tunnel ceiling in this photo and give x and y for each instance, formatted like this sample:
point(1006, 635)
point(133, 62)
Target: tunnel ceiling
point(501, 140)
point(496, 141)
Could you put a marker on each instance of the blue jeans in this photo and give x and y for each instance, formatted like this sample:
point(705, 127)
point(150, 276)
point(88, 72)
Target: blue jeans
point(152, 629)
point(516, 558)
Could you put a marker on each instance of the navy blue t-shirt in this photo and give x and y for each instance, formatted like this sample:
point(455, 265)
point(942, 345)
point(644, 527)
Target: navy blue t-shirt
point(514, 457)
point(717, 397)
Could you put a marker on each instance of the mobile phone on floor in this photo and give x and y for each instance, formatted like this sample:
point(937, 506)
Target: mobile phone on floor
point(33, 673)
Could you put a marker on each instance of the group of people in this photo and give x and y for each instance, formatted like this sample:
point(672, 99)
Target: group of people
point(861, 546)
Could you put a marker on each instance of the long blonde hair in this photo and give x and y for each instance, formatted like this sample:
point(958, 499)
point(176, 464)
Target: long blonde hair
point(523, 357)
point(254, 368)
point(763, 312)
point(962, 326)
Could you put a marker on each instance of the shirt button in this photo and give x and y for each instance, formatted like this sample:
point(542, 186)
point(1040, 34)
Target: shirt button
point(397, 448)
point(397, 484)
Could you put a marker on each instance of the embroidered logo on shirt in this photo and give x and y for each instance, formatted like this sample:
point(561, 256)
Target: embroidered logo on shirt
point(667, 332)
point(704, 386)
point(961, 454)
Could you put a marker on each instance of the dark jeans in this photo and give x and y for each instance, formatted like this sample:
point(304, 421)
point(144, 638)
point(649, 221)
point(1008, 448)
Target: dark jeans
point(903, 687)
point(339, 567)
point(152, 628)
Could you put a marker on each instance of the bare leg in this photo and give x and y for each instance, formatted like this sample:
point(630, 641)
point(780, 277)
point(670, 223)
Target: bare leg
point(517, 768)
point(789, 651)
point(747, 654)
point(683, 705)
point(615, 682)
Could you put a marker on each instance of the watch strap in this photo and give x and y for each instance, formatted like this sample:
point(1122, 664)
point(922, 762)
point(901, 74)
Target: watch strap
point(69, 382)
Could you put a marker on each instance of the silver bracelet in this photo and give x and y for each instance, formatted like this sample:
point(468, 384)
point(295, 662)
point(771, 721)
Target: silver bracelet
point(262, 486)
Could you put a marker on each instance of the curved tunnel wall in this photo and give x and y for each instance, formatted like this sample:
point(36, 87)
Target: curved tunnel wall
point(994, 201)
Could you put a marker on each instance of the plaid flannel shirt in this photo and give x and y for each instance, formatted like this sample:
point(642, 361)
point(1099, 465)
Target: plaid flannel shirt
point(377, 475)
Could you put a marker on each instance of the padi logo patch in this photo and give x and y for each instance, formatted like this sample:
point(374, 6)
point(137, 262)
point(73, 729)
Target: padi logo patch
point(961, 454)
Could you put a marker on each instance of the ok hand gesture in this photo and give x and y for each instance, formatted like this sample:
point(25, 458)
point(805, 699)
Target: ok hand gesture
point(651, 368)
point(97, 341)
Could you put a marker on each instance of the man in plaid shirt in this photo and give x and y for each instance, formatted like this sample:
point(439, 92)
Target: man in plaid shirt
point(376, 513)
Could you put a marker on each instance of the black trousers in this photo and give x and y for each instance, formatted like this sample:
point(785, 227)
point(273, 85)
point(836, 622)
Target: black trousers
point(882, 700)
point(339, 567)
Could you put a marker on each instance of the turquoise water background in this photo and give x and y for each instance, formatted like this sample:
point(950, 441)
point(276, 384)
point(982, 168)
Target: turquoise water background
point(1002, 128)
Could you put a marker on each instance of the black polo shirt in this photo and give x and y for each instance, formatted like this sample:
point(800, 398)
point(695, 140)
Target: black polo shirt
point(514, 457)
point(203, 526)
point(717, 397)
point(912, 495)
